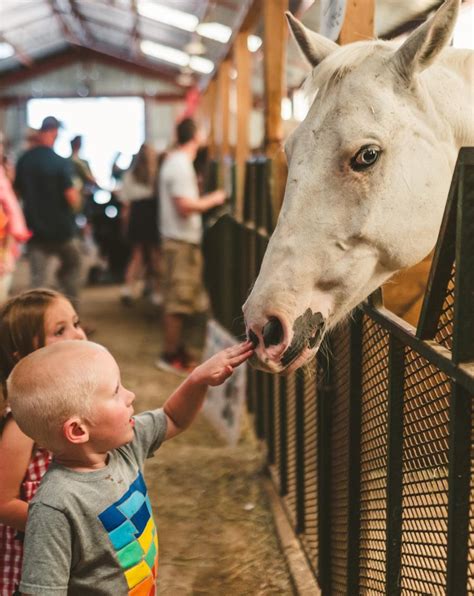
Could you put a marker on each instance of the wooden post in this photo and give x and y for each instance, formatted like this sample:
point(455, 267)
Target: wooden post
point(358, 21)
point(274, 71)
point(223, 82)
point(212, 107)
point(243, 90)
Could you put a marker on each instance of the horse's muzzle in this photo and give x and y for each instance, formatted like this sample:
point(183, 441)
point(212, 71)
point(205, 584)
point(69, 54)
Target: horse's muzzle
point(277, 349)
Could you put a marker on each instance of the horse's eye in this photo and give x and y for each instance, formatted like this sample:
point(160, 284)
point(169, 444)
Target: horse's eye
point(365, 157)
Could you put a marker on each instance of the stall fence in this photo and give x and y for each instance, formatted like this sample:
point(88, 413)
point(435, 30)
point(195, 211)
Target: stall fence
point(371, 446)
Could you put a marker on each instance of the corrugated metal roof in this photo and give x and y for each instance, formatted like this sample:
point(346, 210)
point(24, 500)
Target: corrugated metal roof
point(115, 28)
point(36, 28)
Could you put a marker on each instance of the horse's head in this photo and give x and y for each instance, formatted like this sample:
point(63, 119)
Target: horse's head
point(369, 171)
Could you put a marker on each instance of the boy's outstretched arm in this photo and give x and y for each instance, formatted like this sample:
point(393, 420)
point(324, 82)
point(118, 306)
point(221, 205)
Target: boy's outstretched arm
point(184, 403)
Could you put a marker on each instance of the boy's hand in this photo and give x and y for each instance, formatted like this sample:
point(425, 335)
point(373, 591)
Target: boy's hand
point(220, 366)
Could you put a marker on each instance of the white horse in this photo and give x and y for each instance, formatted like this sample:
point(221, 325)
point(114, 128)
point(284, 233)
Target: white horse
point(369, 173)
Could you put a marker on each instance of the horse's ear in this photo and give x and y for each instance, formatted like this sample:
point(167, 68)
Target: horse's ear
point(425, 43)
point(315, 47)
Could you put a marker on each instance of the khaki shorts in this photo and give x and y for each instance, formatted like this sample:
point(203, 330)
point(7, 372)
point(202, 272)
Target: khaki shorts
point(182, 283)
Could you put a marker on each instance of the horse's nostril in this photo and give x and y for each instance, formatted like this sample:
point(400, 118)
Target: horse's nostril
point(272, 333)
point(253, 338)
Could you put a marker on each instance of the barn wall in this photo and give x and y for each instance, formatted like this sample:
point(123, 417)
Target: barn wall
point(91, 79)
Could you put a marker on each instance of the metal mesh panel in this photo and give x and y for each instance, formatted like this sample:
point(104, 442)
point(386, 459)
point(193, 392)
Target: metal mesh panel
point(425, 477)
point(470, 568)
point(310, 535)
point(444, 333)
point(340, 461)
point(373, 458)
point(290, 498)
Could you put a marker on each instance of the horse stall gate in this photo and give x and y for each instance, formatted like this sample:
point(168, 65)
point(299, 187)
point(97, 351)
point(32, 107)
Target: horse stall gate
point(371, 445)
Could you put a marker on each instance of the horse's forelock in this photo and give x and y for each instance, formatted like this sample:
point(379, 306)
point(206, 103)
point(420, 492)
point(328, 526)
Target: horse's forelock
point(333, 69)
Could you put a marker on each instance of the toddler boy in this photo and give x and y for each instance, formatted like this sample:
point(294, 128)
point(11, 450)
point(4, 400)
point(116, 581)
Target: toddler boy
point(90, 528)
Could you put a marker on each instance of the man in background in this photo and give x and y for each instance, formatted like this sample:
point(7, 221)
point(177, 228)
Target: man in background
point(181, 230)
point(44, 183)
point(82, 174)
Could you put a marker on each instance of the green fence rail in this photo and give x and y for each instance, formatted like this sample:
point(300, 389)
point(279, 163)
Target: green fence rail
point(371, 447)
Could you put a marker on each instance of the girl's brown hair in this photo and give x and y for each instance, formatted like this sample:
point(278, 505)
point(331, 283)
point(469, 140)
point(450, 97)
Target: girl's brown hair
point(145, 165)
point(22, 328)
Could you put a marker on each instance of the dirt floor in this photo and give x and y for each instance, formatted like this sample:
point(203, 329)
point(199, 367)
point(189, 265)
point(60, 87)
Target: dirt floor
point(215, 528)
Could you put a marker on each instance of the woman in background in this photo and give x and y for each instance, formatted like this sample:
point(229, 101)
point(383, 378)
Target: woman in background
point(139, 214)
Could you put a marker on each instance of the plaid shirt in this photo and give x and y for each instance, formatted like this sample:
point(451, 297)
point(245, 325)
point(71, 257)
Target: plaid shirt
point(11, 540)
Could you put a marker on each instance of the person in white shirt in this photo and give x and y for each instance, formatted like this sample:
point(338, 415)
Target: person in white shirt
point(181, 231)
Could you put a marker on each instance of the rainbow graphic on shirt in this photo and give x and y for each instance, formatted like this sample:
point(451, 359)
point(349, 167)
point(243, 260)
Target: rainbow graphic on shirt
point(132, 531)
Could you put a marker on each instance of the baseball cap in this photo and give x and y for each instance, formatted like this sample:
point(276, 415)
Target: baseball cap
point(50, 123)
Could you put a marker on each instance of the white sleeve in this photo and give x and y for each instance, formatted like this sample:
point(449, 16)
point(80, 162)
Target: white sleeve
point(182, 180)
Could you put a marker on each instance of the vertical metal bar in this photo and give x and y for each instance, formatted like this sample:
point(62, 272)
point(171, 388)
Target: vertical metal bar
point(463, 331)
point(353, 539)
point(283, 439)
point(300, 469)
point(325, 393)
point(250, 389)
point(459, 479)
point(270, 419)
point(460, 409)
point(441, 267)
point(259, 405)
point(394, 464)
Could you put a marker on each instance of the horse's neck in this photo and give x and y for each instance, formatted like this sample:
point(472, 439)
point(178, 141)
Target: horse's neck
point(452, 91)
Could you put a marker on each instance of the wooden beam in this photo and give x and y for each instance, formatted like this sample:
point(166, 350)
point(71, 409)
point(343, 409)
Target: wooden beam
point(26, 24)
point(223, 85)
point(358, 22)
point(74, 53)
point(7, 100)
point(20, 55)
point(69, 35)
point(211, 94)
point(252, 17)
point(274, 53)
point(42, 66)
point(135, 34)
point(84, 34)
point(244, 100)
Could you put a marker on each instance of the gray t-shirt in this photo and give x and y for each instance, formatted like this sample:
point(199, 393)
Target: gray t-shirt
point(93, 533)
point(178, 179)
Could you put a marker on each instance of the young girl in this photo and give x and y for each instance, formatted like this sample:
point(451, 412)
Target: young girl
point(29, 321)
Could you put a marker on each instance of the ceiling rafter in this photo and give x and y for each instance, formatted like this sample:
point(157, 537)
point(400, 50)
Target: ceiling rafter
point(102, 51)
point(20, 54)
point(81, 21)
point(27, 23)
point(70, 35)
point(135, 34)
point(115, 26)
point(74, 53)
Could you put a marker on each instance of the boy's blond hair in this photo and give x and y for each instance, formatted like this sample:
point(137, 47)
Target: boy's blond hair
point(51, 385)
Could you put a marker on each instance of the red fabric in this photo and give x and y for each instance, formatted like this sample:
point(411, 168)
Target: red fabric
point(12, 225)
point(192, 100)
point(11, 540)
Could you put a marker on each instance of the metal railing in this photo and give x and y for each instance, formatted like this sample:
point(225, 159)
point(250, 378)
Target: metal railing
point(371, 448)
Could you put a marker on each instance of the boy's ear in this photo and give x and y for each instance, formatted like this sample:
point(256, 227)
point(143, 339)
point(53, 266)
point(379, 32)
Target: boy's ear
point(75, 431)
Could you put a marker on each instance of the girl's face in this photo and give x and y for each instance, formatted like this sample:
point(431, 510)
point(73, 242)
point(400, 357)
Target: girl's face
point(61, 322)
